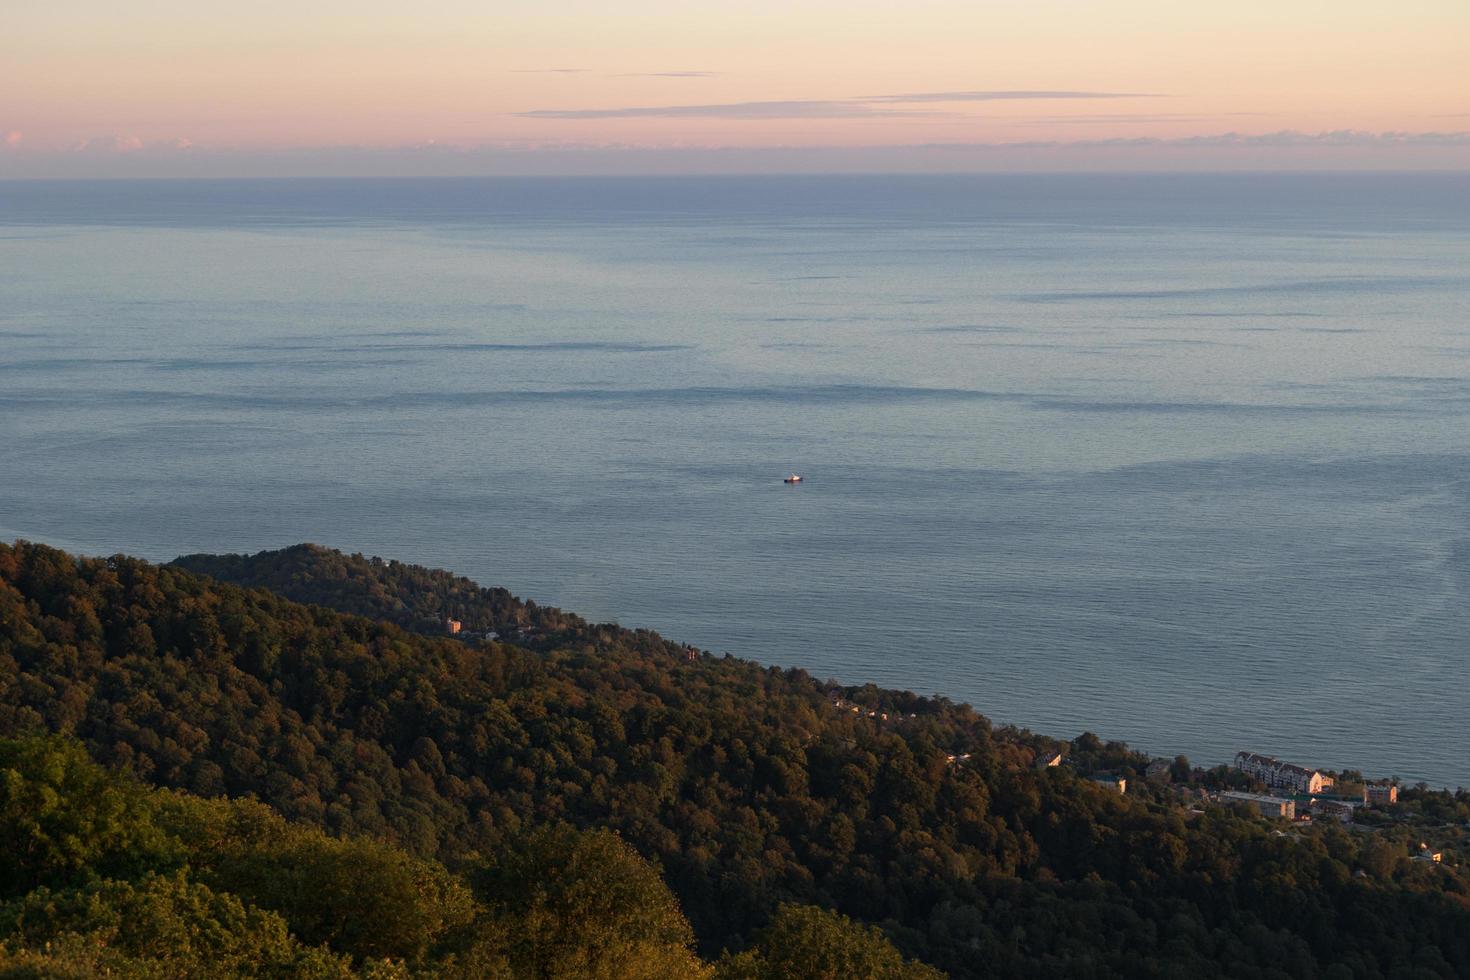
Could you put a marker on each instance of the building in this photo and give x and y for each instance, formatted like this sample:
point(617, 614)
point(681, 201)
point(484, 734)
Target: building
point(1280, 775)
point(1342, 810)
point(1117, 783)
point(1158, 771)
point(1048, 759)
point(453, 626)
point(1380, 794)
point(1267, 806)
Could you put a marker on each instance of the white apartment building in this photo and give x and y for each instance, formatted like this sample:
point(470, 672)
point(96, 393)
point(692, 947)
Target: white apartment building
point(1281, 775)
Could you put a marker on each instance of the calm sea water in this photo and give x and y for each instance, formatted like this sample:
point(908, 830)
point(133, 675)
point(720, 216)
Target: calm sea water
point(1183, 461)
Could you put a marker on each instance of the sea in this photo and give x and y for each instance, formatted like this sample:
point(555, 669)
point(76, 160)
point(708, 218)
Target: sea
point(1181, 460)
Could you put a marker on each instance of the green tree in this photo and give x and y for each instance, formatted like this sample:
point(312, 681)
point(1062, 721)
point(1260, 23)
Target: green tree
point(359, 896)
point(571, 903)
point(162, 926)
point(64, 819)
point(807, 943)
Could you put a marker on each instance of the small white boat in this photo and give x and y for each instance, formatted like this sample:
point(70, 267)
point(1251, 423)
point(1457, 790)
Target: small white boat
point(793, 478)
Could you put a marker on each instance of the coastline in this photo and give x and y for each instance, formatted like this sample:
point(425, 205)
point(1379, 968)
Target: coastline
point(1200, 762)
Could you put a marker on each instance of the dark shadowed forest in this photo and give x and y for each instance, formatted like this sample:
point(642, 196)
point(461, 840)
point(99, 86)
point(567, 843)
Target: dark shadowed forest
point(279, 765)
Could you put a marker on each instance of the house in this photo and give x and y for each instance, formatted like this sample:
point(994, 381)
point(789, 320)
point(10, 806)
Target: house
point(1117, 783)
point(1280, 775)
point(452, 626)
point(1048, 759)
point(1267, 806)
point(1380, 794)
point(1429, 856)
point(1158, 771)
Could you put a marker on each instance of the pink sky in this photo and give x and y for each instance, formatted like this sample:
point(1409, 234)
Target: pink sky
point(166, 86)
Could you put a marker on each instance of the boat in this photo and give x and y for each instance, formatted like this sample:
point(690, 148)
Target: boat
point(793, 478)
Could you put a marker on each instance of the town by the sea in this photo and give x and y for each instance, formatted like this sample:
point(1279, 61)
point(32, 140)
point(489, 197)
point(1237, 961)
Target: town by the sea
point(1180, 460)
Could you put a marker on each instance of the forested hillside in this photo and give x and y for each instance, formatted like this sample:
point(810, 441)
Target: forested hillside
point(747, 787)
point(416, 598)
point(102, 877)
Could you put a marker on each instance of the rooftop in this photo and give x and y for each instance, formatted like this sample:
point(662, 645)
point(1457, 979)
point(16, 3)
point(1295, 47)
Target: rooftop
point(1252, 797)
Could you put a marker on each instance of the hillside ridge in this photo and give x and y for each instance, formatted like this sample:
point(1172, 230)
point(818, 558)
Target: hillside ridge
point(745, 785)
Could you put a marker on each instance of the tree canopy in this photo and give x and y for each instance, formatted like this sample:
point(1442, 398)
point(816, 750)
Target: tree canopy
point(745, 787)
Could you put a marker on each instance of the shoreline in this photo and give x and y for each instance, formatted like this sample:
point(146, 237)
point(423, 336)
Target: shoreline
point(8, 535)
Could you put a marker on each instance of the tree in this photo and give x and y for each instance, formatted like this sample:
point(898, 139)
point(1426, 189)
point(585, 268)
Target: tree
point(160, 926)
point(808, 943)
point(569, 903)
point(359, 896)
point(64, 819)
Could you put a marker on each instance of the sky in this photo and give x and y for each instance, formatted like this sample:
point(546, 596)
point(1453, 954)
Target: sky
point(315, 87)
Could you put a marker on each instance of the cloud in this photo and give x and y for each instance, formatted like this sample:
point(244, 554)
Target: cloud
point(108, 144)
point(811, 109)
point(1005, 95)
point(1282, 151)
point(1127, 117)
point(1138, 116)
point(1280, 138)
point(863, 107)
point(1336, 137)
point(127, 145)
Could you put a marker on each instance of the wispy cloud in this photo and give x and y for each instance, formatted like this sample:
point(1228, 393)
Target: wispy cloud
point(866, 106)
point(122, 145)
point(113, 143)
point(1284, 137)
point(1292, 137)
point(796, 109)
point(1284, 150)
point(1005, 95)
point(668, 74)
point(1142, 117)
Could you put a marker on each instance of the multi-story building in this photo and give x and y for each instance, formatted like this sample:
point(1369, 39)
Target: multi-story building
point(1269, 806)
point(1280, 775)
point(1341, 810)
point(1158, 771)
point(1380, 794)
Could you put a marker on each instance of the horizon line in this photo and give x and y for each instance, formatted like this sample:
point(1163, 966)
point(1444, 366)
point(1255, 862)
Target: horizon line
point(761, 174)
